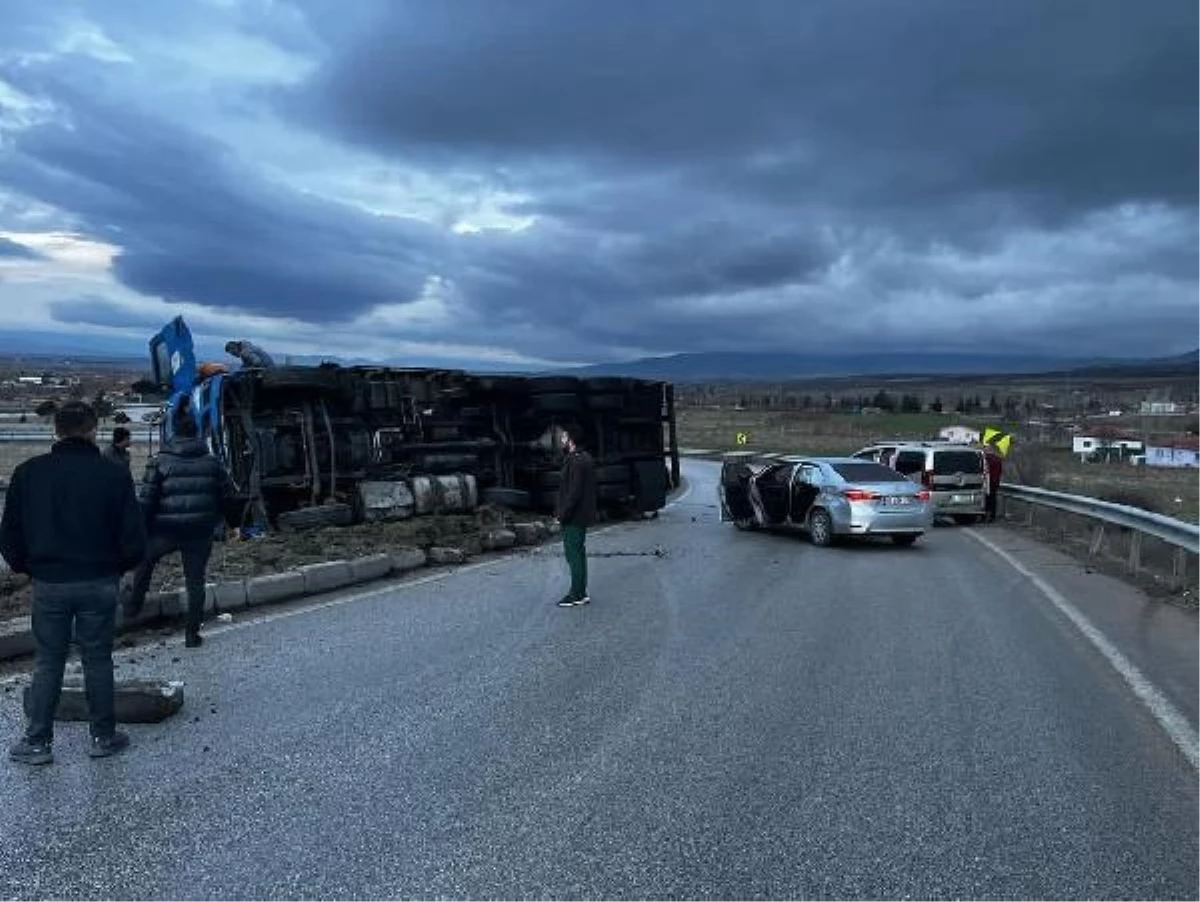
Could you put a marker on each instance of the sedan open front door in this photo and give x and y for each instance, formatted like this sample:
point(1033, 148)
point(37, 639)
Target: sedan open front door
point(734, 491)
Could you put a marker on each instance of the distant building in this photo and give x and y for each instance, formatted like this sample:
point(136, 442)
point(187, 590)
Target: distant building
point(1178, 452)
point(1105, 442)
point(1161, 408)
point(964, 435)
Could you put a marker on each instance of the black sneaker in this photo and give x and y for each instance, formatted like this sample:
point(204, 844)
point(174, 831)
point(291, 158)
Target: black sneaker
point(27, 752)
point(103, 746)
point(572, 601)
point(192, 639)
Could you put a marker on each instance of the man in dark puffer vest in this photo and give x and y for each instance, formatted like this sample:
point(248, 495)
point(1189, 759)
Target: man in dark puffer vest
point(184, 495)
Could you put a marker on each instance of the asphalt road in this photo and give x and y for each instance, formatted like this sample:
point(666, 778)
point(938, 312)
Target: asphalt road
point(734, 716)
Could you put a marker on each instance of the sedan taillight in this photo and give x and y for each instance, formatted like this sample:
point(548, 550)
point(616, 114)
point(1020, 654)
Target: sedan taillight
point(859, 495)
point(924, 495)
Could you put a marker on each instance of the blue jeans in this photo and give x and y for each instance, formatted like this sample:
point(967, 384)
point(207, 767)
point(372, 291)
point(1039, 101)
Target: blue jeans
point(90, 607)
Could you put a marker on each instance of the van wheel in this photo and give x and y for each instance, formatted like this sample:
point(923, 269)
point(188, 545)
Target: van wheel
point(965, 519)
point(744, 523)
point(820, 528)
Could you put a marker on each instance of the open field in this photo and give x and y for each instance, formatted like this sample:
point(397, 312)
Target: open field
point(1175, 493)
point(12, 453)
point(803, 433)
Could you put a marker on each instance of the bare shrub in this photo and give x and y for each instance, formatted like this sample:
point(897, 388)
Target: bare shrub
point(1028, 465)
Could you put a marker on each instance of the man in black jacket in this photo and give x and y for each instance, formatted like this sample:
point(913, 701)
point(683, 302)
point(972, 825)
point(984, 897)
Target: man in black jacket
point(184, 494)
point(71, 522)
point(576, 511)
point(118, 450)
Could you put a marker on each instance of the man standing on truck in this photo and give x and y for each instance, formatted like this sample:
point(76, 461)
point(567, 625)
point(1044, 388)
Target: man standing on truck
point(71, 522)
point(250, 354)
point(576, 511)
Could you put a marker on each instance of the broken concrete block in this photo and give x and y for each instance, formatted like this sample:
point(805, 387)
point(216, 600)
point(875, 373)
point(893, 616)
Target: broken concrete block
point(171, 603)
point(404, 559)
point(372, 566)
point(540, 530)
point(326, 576)
point(274, 587)
point(446, 555)
point(497, 539)
point(16, 638)
point(527, 533)
point(230, 596)
point(135, 701)
point(553, 528)
point(472, 545)
point(386, 500)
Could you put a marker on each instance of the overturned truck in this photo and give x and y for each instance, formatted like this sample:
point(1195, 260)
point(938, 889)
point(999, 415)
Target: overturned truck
point(332, 444)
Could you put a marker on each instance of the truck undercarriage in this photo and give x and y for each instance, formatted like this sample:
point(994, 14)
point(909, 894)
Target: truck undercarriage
point(312, 444)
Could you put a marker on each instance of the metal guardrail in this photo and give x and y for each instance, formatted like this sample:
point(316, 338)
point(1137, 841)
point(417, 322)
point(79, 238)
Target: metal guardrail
point(1183, 537)
point(1168, 529)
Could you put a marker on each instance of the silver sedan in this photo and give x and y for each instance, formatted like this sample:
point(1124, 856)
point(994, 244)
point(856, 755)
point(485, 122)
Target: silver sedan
point(826, 497)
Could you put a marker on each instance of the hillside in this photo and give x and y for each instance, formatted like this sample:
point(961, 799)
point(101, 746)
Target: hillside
point(751, 367)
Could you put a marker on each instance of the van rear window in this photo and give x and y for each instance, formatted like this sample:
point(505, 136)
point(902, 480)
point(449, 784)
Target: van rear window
point(909, 462)
point(948, 462)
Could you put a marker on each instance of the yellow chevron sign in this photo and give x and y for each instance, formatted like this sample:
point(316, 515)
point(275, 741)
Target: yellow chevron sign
point(999, 440)
point(742, 438)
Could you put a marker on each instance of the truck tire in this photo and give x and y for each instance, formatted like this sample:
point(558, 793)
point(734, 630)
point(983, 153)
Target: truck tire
point(500, 496)
point(315, 517)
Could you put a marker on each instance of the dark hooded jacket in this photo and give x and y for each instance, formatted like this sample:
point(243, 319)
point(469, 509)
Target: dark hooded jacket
point(577, 491)
point(185, 491)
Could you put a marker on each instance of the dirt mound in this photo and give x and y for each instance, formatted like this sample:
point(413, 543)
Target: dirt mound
point(241, 558)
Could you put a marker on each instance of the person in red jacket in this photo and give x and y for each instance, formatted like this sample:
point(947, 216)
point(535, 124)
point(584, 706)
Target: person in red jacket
point(995, 464)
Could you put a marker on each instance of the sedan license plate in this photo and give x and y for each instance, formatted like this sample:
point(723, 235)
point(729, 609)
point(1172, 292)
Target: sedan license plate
point(962, 499)
point(897, 500)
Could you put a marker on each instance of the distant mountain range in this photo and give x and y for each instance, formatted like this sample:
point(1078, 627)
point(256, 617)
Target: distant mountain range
point(771, 367)
point(53, 349)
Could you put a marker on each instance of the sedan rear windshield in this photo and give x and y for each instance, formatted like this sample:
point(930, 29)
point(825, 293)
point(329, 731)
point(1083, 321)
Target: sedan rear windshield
point(947, 462)
point(867, 472)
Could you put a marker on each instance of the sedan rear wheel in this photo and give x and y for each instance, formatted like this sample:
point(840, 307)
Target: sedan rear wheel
point(820, 528)
point(907, 539)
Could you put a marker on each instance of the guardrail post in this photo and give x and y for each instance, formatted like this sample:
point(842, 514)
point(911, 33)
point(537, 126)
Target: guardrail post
point(1135, 552)
point(1029, 509)
point(1097, 540)
point(1178, 568)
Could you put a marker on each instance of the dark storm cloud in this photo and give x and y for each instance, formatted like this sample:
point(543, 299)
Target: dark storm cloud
point(14, 250)
point(702, 175)
point(193, 223)
point(870, 104)
point(98, 311)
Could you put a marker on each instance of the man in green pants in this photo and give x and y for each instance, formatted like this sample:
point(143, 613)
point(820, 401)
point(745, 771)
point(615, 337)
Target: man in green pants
point(576, 511)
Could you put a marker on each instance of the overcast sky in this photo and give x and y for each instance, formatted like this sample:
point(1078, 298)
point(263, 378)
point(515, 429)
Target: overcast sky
point(553, 181)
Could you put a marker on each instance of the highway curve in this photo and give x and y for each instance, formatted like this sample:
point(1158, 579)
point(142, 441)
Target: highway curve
point(734, 716)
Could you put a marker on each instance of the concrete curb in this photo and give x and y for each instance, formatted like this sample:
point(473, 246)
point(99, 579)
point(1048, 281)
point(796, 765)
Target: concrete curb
point(16, 636)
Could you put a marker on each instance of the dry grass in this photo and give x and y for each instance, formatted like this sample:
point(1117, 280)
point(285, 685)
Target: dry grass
point(801, 433)
point(13, 453)
point(1175, 493)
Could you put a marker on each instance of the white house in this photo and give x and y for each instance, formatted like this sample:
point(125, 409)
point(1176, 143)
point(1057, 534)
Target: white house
point(1107, 442)
point(961, 434)
point(1172, 456)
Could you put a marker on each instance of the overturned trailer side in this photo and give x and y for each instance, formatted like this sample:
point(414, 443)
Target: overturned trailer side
point(322, 444)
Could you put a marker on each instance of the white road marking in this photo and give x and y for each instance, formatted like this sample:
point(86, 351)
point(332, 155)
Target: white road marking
point(1168, 716)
